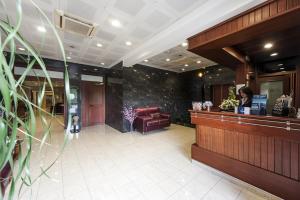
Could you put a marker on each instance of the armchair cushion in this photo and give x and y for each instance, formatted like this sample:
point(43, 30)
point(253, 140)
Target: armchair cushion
point(155, 115)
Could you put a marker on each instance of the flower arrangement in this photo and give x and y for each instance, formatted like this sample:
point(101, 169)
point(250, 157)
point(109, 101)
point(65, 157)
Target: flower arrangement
point(130, 115)
point(230, 102)
point(208, 105)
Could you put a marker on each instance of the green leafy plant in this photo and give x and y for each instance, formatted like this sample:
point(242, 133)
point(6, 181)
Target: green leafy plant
point(230, 102)
point(12, 95)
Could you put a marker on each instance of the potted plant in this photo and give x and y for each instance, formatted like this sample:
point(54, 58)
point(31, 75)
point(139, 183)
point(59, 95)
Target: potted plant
point(13, 96)
point(230, 103)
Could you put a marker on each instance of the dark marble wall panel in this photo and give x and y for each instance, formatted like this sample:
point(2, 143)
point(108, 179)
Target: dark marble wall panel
point(114, 97)
point(146, 87)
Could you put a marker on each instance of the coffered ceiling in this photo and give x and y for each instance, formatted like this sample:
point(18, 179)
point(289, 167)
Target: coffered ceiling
point(178, 59)
point(143, 23)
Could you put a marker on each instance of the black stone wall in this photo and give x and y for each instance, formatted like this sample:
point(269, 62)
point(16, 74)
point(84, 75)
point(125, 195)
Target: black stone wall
point(114, 97)
point(143, 86)
point(147, 87)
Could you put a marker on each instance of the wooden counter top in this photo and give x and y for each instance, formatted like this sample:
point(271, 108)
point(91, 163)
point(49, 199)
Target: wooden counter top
point(260, 117)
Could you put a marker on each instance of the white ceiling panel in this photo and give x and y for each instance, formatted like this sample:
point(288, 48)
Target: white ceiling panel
point(157, 19)
point(131, 7)
point(142, 23)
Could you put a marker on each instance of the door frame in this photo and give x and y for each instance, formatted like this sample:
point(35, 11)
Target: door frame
point(83, 93)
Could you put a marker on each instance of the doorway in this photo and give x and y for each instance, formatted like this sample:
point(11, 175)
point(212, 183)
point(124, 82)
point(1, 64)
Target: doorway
point(273, 87)
point(93, 103)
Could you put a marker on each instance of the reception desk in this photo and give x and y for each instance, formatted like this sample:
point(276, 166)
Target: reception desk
point(260, 150)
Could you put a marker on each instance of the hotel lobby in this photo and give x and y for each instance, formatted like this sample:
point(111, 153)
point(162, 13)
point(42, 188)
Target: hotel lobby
point(150, 99)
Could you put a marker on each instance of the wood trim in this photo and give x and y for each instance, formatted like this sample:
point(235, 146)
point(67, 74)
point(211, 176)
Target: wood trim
point(256, 15)
point(276, 184)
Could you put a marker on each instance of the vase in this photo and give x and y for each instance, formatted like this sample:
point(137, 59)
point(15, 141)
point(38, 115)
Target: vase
point(131, 127)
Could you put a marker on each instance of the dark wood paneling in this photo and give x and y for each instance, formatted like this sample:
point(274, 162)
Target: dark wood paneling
point(264, 152)
point(286, 156)
point(279, 185)
point(271, 154)
point(253, 16)
point(275, 151)
point(295, 161)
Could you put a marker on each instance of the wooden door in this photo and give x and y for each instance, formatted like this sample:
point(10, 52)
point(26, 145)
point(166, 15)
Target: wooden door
point(93, 104)
point(220, 92)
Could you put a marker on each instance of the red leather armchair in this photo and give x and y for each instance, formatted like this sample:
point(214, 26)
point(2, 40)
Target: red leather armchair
point(149, 119)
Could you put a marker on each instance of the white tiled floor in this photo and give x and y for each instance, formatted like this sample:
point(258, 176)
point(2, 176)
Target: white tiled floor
point(106, 164)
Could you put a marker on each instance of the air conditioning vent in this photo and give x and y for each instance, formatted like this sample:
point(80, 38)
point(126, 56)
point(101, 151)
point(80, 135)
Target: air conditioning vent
point(74, 24)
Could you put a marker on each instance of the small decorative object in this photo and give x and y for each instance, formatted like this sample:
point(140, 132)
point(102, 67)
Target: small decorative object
point(75, 124)
point(208, 105)
point(281, 107)
point(236, 109)
point(298, 113)
point(247, 110)
point(130, 115)
point(231, 102)
point(197, 106)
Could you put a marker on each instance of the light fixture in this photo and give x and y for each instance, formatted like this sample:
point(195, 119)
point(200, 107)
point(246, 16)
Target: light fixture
point(168, 59)
point(274, 54)
point(95, 69)
point(218, 74)
point(186, 65)
point(115, 23)
point(146, 60)
point(102, 63)
point(220, 69)
point(199, 61)
point(69, 58)
point(21, 49)
point(182, 69)
point(200, 74)
point(268, 45)
point(84, 69)
point(41, 29)
point(99, 45)
point(281, 68)
point(128, 43)
point(184, 44)
point(280, 64)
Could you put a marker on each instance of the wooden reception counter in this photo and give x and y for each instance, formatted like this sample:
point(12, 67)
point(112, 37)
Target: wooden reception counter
point(263, 151)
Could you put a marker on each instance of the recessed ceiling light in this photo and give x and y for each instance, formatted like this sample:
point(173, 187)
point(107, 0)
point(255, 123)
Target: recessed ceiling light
point(128, 43)
point(168, 59)
point(274, 54)
point(146, 60)
point(268, 45)
point(116, 23)
point(199, 61)
point(186, 65)
point(182, 69)
point(200, 74)
point(99, 45)
point(280, 64)
point(96, 69)
point(184, 44)
point(220, 69)
point(21, 49)
point(69, 58)
point(102, 63)
point(281, 68)
point(41, 29)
